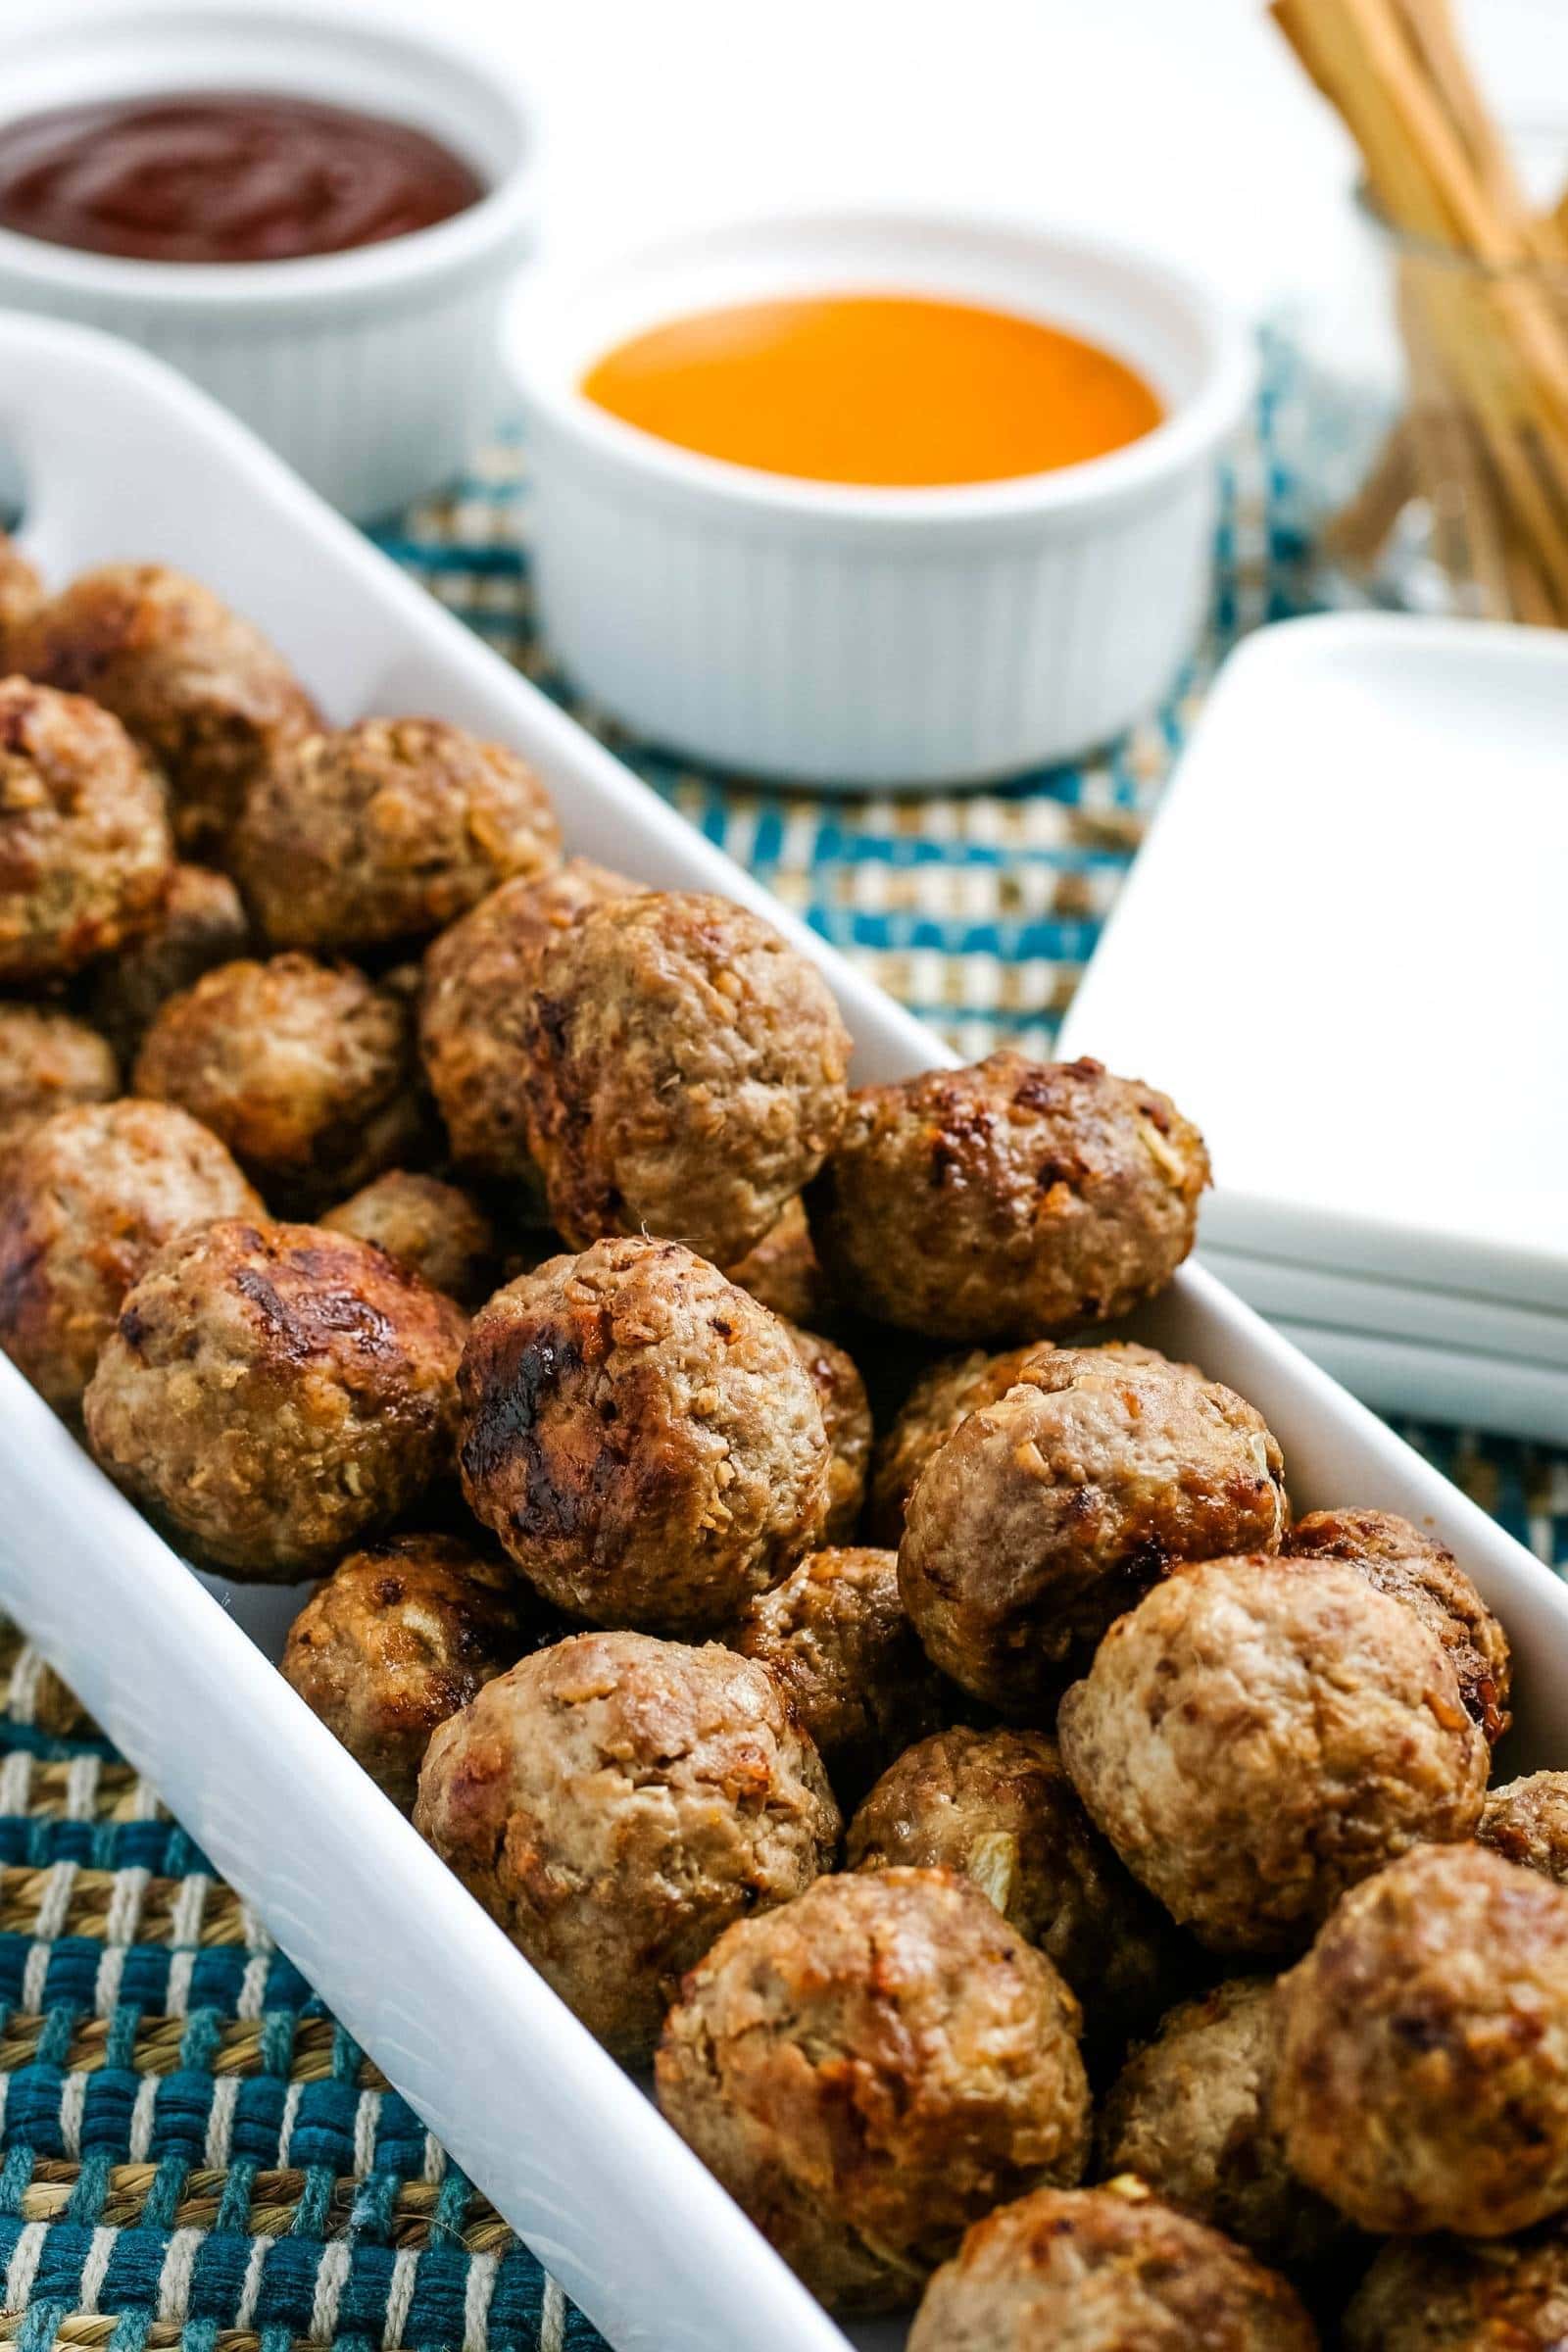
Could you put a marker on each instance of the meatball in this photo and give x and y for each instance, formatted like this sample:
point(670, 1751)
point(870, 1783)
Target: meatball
point(870, 2069)
point(276, 1392)
point(685, 1072)
point(86, 1198)
point(616, 1801)
point(836, 1636)
point(304, 1069)
point(388, 831)
point(999, 1806)
point(1190, 2114)
point(436, 1228)
point(21, 594)
point(783, 1272)
point(642, 1436)
point(85, 852)
point(202, 690)
point(201, 923)
point(480, 979)
point(1105, 2269)
point(1422, 2077)
point(1444, 2295)
point(47, 1062)
point(400, 1636)
point(1417, 1569)
point(847, 1419)
point(1009, 1200)
point(1044, 1515)
point(1260, 1733)
point(943, 1397)
point(1527, 1821)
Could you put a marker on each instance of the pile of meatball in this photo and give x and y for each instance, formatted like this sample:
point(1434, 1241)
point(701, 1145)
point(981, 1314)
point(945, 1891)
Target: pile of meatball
point(1057, 1888)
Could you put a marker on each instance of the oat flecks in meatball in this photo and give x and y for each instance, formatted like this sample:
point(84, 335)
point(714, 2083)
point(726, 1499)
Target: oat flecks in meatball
point(385, 831)
point(997, 1805)
point(686, 1072)
point(1190, 2114)
point(48, 1061)
point(21, 594)
point(783, 1272)
point(199, 687)
point(1417, 1569)
point(1044, 1515)
point(847, 1419)
point(200, 923)
point(1445, 2294)
point(86, 1197)
point(1260, 1733)
point(1008, 1201)
point(1422, 2077)
point(1527, 1821)
point(642, 1436)
point(870, 2069)
point(479, 978)
point(400, 1636)
point(276, 1393)
point(86, 854)
point(836, 1636)
point(436, 1228)
point(1106, 2270)
point(304, 1069)
point(614, 1803)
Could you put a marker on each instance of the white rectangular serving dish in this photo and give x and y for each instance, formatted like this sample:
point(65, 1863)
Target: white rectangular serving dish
point(123, 459)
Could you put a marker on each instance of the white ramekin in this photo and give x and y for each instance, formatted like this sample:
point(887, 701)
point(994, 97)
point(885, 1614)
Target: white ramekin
point(874, 636)
point(373, 372)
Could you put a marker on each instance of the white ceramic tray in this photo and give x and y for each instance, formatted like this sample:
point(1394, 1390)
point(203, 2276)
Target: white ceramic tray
point(123, 459)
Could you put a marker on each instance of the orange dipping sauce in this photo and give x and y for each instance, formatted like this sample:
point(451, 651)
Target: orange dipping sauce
point(876, 389)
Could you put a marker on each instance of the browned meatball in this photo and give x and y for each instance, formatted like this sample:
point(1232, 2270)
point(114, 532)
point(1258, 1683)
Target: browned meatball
point(22, 593)
point(1260, 1733)
point(783, 1272)
point(834, 1634)
point(387, 830)
point(847, 1419)
point(616, 1801)
point(304, 1069)
point(86, 1197)
point(276, 1392)
point(85, 852)
point(1008, 1201)
point(1190, 2114)
point(1423, 1573)
point(1105, 2269)
point(1045, 1514)
point(1527, 1821)
point(199, 687)
point(1445, 2294)
point(685, 1072)
point(999, 1806)
point(479, 980)
point(436, 1228)
point(200, 923)
point(48, 1060)
point(1422, 2077)
point(642, 1436)
point(869, 2070)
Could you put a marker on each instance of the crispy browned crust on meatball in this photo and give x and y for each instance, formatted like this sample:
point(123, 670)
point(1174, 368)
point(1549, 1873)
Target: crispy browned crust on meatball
point(642, 1436)
point(275, 1392)
point(1106, 2270)
point(1046, 1514)
point(1526, 1821)
point(85, 852)
point(1446, 2294)
point(87, 1197)
point(1260, 1733)
point(1189, 2113)
point(400, 1636)
point(48, 1061)
point(387, 830)
point(847, 1419)
point(200, 923)
point(21, 594)
point(479, 977)
point(1422, 2077)
point(685, 1072)
point(304, 1069)
point(997, 1805)
point(869, 2070)
point(1415, 1568)
point(203, 690)
point(438, 1229)
point(836, 1636)
point(614, 1803)
point(1009, 1200)
point(784, 1272)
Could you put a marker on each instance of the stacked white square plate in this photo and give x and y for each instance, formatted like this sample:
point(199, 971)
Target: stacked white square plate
point(1345, 950)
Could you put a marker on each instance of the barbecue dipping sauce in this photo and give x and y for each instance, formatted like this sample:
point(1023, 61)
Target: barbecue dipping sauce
point(231, 176)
